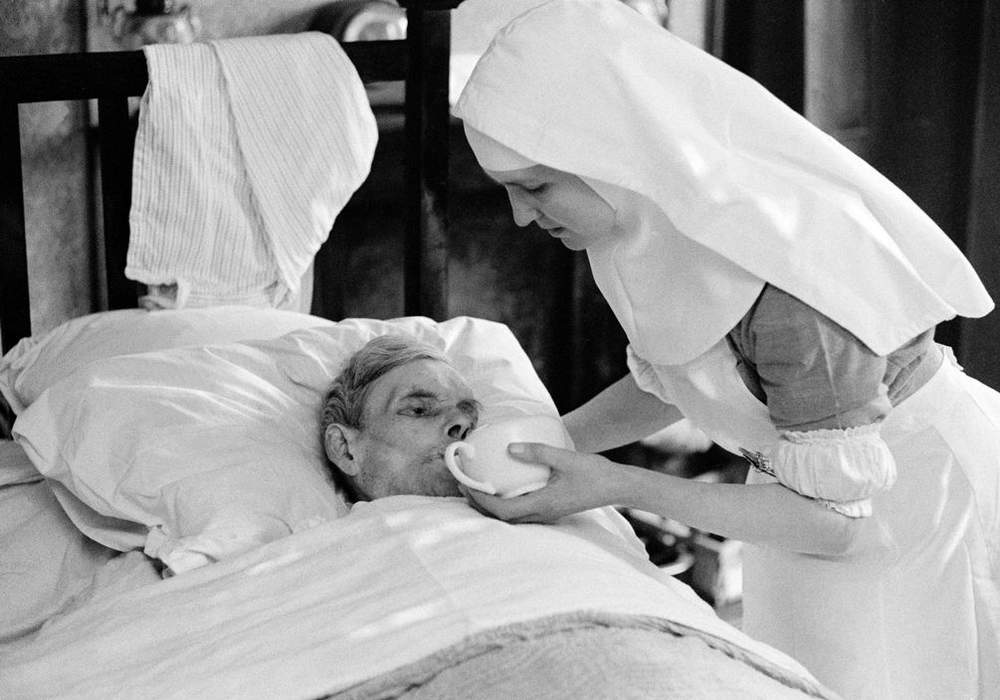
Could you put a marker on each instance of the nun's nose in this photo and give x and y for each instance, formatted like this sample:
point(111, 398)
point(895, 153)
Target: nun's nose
point(523, 213)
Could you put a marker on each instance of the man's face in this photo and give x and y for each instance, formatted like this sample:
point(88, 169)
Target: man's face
point(411, 415)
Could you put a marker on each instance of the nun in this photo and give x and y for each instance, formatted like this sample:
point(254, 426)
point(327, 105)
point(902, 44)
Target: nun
point(782, 295)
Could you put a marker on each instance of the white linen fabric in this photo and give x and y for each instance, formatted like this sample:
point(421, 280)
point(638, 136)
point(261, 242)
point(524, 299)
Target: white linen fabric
point(45, 562)
point(246, 151)
point(38, 362)
point(192, 454)
point(756, 191)
point(842, 467)
point(493, 155)
point(322, 610)
point(843, 617)
point(196, 454)
point(47, 566)
point(15, 467)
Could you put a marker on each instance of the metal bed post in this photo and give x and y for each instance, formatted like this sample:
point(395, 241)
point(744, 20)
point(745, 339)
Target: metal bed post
point(428, 35)
point(14, 307)
point(108, 77)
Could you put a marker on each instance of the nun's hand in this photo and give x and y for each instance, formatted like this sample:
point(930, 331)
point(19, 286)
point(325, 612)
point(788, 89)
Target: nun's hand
point(578, 482)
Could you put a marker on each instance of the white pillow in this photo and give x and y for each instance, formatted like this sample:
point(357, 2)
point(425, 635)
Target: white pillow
point(36, 363)
point(15, 467)
point(197, 454)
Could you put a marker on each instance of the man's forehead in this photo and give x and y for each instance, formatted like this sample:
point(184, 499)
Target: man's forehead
point(426, 378)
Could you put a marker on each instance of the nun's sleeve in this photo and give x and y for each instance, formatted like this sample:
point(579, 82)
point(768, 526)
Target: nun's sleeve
point(825, 394)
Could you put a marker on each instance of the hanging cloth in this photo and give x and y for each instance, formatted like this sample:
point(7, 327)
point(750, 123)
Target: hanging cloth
point(246, 151)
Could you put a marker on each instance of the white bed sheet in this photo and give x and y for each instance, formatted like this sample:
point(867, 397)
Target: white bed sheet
point(45, 562)
point(325, 609)
point(15, 467)
point(47, 566)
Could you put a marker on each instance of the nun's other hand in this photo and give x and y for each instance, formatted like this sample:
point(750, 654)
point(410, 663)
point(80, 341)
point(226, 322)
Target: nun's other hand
point(578, 482)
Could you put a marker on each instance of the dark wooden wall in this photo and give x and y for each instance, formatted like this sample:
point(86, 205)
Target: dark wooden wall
point(981, 337)
point(913, 87)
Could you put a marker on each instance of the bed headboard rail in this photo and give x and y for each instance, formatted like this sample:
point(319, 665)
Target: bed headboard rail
point(111, 78)
point(15, 313)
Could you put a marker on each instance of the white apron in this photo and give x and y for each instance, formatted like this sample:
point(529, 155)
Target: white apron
point(920, 622)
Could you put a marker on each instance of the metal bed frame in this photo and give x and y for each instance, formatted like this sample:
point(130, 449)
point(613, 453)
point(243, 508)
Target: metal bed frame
point(110, 78)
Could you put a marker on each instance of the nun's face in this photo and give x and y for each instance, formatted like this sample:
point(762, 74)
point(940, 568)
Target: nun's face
point(562, 204)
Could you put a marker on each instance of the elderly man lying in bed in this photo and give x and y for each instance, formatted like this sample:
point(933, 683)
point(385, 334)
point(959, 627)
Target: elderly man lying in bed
point(390, 414)
point(567, 606)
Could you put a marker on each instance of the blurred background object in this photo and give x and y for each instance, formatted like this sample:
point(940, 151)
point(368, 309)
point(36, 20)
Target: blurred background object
point(361, 20)
point(150, 22)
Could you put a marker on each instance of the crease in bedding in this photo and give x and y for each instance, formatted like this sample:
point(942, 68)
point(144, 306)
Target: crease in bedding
point(15, 467)
point(246, 151)
point(328, 609)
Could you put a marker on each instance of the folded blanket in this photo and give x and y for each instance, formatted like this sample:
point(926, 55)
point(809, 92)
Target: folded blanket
point(246, 151)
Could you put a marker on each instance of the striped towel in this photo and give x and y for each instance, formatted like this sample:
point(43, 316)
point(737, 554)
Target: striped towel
point(246, 151)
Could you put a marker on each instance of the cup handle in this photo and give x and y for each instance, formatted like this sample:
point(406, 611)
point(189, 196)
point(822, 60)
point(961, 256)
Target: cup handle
point(451, 461)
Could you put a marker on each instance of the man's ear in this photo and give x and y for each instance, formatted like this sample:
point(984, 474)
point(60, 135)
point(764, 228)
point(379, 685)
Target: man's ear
point(339, 441)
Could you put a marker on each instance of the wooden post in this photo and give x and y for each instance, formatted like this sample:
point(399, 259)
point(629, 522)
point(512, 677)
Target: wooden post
point(427, 118)
point(116, 141)
point(15, 319)
point(980, 336)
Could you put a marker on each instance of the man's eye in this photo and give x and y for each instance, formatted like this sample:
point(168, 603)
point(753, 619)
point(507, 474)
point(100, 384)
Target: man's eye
point(416, 411)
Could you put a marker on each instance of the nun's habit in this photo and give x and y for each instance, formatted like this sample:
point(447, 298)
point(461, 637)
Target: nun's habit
point(783, 295)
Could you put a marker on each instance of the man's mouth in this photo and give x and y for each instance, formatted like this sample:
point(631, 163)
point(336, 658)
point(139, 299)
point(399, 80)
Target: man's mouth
point(436, 457)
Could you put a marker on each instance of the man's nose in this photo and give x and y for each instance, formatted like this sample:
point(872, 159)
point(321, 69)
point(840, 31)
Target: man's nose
point(459, 425)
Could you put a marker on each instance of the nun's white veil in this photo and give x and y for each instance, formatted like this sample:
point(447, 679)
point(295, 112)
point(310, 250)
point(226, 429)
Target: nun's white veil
point(718, 186)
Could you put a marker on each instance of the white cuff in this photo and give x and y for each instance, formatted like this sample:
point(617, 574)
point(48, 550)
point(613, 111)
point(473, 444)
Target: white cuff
point(841, 468)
